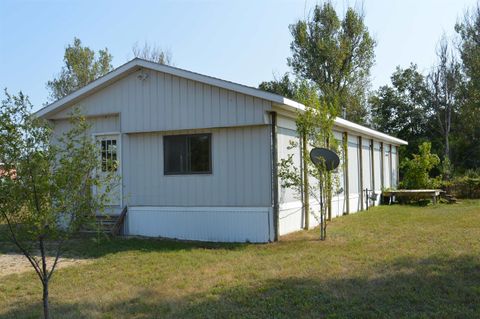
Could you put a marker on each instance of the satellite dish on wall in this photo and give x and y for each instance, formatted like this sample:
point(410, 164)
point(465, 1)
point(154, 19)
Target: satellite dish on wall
point(320, 155)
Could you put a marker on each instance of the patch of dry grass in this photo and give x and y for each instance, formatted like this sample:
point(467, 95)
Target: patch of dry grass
point(14, 263)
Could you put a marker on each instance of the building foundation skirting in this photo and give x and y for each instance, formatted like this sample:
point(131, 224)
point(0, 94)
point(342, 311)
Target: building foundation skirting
point(216, 224)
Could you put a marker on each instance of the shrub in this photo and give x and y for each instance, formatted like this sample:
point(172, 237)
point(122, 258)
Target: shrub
point(463, 187)
point(417, 169)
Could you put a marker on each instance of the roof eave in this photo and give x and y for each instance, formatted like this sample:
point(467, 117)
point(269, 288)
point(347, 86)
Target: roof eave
point(135, 64)
point(293, 106)
point(368, 131)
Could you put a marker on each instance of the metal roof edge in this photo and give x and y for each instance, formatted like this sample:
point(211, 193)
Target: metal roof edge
point(368, 131)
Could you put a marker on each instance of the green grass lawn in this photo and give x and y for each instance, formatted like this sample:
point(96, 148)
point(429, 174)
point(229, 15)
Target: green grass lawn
point(389, 262)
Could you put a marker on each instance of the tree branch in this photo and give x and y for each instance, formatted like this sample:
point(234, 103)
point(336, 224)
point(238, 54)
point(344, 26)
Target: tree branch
point(14, 239)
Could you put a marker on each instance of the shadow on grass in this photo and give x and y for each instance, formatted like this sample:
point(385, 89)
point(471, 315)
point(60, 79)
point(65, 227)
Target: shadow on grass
point(98, 245)
point(438, 287)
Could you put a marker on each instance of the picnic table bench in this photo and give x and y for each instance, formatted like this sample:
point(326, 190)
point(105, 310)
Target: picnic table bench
point(433, 194)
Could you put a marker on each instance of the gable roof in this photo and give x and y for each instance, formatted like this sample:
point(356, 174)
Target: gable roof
point(137, 64)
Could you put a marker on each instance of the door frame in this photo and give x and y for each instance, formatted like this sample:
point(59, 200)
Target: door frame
point(119, 158)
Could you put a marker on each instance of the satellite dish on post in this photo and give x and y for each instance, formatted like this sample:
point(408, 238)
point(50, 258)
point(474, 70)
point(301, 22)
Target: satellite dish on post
point(320, 155)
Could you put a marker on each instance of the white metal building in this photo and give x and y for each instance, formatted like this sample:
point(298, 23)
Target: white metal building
point(197, 155)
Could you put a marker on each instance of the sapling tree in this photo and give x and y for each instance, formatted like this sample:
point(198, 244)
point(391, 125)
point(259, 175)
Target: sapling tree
point(315, 125)
point(47, 186)
point(417, 169)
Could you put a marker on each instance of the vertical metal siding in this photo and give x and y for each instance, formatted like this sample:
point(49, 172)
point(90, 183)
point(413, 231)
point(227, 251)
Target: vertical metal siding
point(338, 198)
point(377, 154)
point(378, 165)
point(165, 102)
point(367, 164)
point(394, 167)
point(387, 166)
point(240, 171)
point(354, 173)
point(285, 137)
point(290, 214)
point(100, 124)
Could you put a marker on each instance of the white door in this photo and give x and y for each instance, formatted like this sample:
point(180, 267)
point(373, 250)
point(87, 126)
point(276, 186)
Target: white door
point(109, 147)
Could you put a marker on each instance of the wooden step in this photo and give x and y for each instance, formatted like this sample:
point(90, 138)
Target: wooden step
point(449, 198)
point(108, 224)
point(103, 224)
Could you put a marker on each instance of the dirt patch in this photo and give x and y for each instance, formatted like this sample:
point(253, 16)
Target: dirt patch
point(16, 263)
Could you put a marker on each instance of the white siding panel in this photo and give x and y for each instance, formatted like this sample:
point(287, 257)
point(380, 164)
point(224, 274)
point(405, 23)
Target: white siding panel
point(367, 169)
point(394, 166)
point(290, 217)
point(165, 102)
point(240, 163)
point(354, 173)
point(338, 200)
point(338, 205)
point(290, 211)
point(366, 164)
point(285, 122)
point(100, 124)
point(225, 224)
point(386, 166)
point(377, 158)
point(284, 147)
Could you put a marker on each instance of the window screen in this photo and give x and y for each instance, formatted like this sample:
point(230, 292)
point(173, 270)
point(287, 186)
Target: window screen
point(109, 155)
point(187, 154)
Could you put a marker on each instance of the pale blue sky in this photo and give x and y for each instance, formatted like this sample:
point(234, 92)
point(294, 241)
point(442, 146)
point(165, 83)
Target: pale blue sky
point(241, 41)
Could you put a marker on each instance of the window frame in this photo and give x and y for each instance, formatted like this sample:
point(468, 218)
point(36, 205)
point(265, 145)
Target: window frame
point(188, 154)
point(105, 165)
point(96, 137)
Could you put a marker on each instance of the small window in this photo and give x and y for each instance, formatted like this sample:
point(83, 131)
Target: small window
point(187, 154)
point(109, 155)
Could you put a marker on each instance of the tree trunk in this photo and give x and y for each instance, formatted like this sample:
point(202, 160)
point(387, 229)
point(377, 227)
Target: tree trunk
point(306, 194)
point(44, 278)
point(329, 196)
point(46, 310)
point(447, 146)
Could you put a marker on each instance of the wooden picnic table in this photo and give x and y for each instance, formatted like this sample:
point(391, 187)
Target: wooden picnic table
point(434, 194)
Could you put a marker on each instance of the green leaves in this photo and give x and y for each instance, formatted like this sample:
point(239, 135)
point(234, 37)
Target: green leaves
point(418, 168)
point(46, 184)
point(469, 131)
point(336, 55)
point(283, 86)
point(81, 67)
point(400, 109)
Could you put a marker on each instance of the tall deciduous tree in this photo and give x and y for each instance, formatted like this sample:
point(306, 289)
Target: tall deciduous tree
point(46, 186)
point(399, 109)
point(335, 54)
point(444, 82)
point(82, 66)
point(468, 147)
point(152, 53)
point(283, 86)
